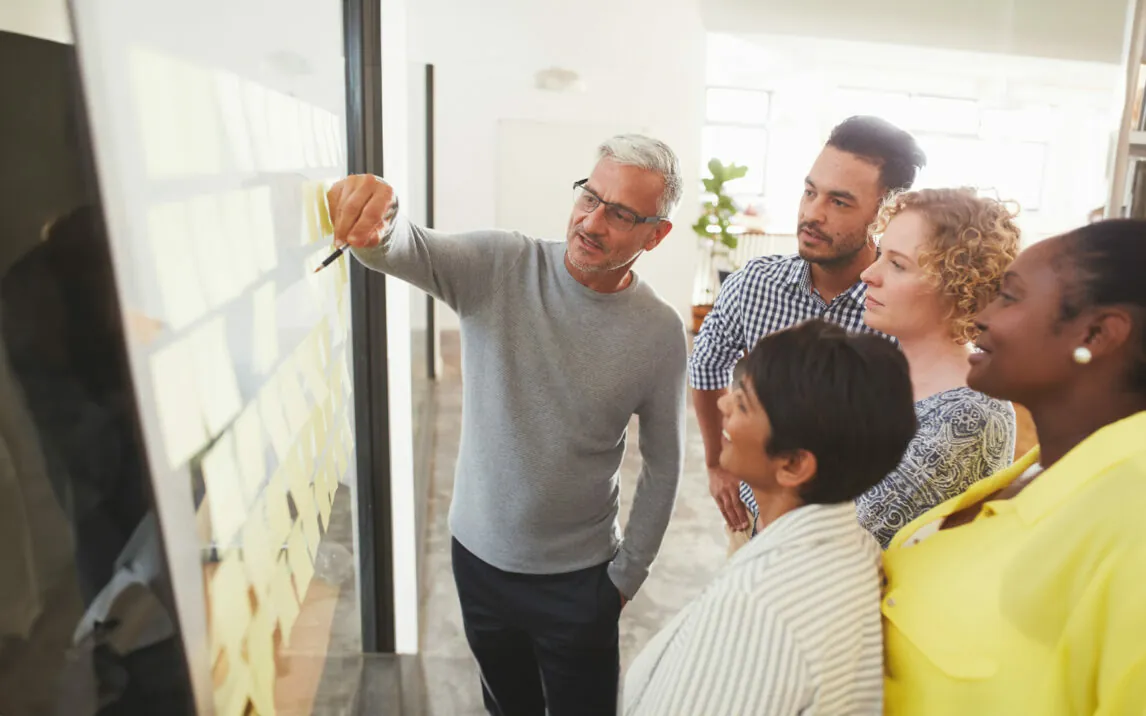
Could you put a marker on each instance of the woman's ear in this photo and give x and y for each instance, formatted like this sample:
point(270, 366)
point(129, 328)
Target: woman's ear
point(1110, 329)
point(795, 468)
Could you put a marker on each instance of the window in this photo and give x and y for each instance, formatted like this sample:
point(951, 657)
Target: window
point(737, 133)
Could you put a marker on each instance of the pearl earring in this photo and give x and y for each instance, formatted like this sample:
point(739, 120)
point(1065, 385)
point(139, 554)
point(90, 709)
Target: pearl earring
point(1082, 355)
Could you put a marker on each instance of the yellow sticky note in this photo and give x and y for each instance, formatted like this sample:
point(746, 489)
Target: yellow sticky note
point(343, 311)
point(157, 103)
point(199, 132)
point(224, 491)
point(328, 413)
point(324, 504)
point(222, 281)
point(321, 429)
point(229, 93)
point(215, 376)
point(230, 606)
point(306, 358)
point(237, 240)
point(322, 333)
point(306, 442)
point(250, 451)
point(261, 656)
point(308, 516)
point(310, 228)
point(333, 479)
point(326, 228)
point(336, 383)
point(262, 227)
point(292, 397)
point(301, 565)
point(278, 512)
point(265, 331)
point(297, 479)
point(340, 458)
point(231, 698)
point(259, 550)
point(273, 414)
point(282, 596)
point(177, 402)
point(176, 274)
point(306, 127)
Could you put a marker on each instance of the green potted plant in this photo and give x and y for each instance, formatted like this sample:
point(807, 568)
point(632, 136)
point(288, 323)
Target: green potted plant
point(716, 239)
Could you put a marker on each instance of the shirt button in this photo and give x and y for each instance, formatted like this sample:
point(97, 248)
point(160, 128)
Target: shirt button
point(890, 602)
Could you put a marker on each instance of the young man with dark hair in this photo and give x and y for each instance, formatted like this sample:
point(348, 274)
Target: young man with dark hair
point(865, 159)
point(792, 623)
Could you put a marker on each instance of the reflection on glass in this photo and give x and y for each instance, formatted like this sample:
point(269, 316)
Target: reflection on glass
point(86, 618)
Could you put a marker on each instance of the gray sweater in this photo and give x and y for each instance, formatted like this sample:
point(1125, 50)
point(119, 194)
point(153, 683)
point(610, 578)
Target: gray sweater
point(553, 372)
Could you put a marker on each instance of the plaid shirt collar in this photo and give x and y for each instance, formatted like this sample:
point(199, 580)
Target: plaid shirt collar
point(799, 279)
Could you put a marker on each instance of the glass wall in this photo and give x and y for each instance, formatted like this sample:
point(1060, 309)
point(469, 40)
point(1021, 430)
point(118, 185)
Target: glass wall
point(87, 619)
point(215, 142)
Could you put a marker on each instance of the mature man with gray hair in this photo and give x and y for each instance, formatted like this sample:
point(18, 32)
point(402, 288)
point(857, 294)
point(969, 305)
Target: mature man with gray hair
point(562, 344)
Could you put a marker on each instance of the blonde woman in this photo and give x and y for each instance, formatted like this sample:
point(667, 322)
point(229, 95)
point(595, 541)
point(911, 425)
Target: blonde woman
point(942, 256)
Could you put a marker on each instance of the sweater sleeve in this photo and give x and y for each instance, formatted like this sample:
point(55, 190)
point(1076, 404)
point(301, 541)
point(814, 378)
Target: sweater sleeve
point(461, 270)
point(662, 421)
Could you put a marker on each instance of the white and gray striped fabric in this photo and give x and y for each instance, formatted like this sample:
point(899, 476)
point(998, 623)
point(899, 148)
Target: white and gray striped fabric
point(790, 626)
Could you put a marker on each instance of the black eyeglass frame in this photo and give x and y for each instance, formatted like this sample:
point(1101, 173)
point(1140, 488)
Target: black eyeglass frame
point(582, 185)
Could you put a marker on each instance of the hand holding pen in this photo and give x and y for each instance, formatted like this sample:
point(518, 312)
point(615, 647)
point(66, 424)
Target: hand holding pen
point(362, 212)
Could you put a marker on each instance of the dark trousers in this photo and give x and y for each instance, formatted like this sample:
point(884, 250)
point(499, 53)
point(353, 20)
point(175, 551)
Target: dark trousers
point(542, 641)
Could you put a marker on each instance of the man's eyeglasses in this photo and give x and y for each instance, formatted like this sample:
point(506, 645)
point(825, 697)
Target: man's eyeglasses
point(616, 216)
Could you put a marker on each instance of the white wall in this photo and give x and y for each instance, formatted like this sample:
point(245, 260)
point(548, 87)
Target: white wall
point(46, 19)
point(1066, 29)
point(642, 63)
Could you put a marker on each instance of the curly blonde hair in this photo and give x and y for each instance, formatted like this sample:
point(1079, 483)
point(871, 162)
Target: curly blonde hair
point(973, 240)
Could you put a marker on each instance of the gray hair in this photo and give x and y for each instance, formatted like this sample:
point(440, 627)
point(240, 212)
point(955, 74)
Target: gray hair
point(637, 150)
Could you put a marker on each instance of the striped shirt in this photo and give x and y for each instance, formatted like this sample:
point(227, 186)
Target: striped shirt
point(791, 625)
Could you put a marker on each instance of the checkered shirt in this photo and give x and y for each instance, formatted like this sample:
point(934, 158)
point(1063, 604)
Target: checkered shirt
point(769, 294)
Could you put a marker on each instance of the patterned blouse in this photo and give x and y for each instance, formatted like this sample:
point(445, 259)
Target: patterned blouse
point(963, 437)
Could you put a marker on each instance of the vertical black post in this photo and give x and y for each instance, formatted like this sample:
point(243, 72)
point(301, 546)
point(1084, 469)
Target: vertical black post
point(362, 28)
point(431, 329)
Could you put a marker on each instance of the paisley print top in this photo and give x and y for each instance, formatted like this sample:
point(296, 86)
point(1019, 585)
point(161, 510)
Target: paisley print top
point(963, 437)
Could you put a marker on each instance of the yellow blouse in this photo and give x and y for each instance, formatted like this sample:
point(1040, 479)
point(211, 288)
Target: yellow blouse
point(1036, 607)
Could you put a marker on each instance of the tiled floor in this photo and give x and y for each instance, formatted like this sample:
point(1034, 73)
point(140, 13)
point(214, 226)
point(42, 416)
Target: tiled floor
point(693, 549)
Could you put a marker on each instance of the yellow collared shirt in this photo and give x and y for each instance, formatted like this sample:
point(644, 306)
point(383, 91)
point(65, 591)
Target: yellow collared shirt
point(1036, 607)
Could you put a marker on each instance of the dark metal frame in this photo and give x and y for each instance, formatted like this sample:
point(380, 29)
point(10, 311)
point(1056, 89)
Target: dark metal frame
point(431, 328)
point(361, 26)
